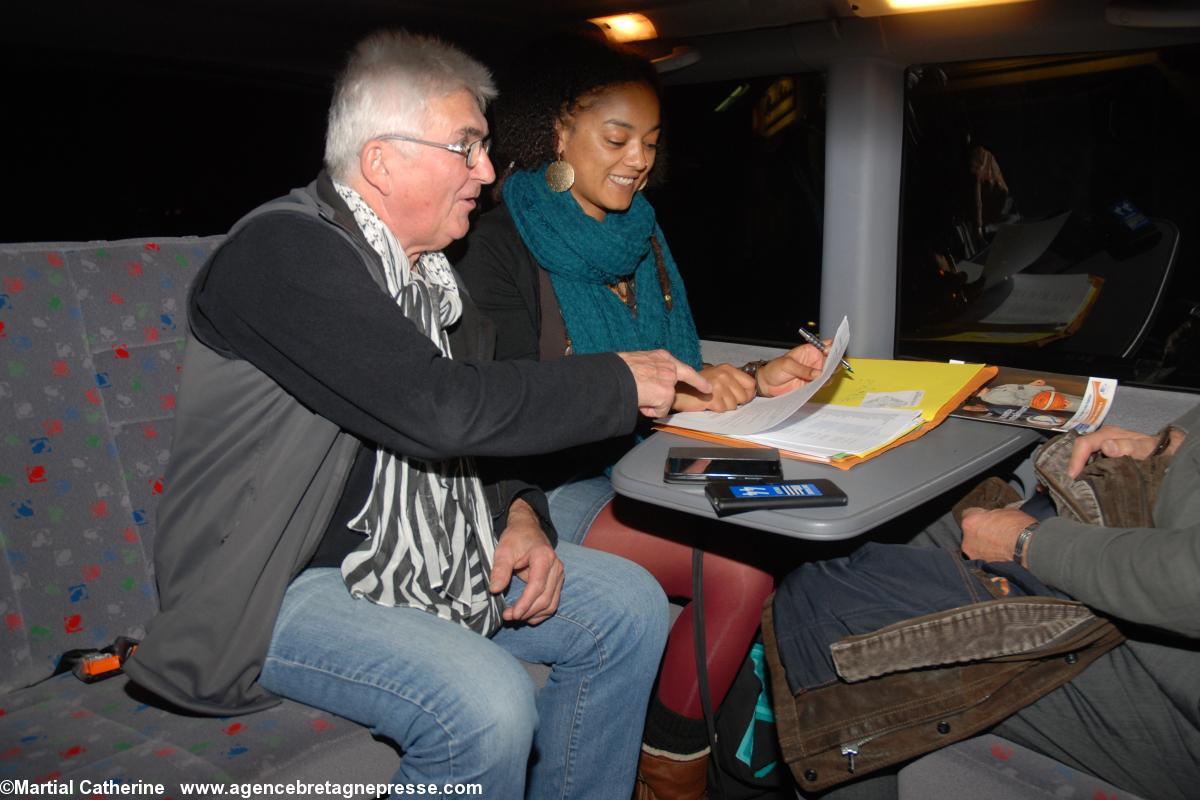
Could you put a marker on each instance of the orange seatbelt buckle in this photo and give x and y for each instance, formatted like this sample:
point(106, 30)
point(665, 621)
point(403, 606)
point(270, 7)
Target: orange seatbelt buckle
point(101, 664)
point(97, 666)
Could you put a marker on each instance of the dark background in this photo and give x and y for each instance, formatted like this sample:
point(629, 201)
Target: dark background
point(173, 122)
point(143, 119)
point(1071, 134)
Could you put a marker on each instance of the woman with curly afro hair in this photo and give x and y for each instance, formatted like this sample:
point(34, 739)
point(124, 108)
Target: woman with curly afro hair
point(573, 261)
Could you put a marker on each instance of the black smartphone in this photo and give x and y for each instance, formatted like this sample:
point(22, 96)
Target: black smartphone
point(703, 464)
point(734, 496)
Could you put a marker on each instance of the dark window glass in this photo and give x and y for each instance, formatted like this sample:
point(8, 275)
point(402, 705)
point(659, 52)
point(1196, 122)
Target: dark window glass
point(1050, 215)
point(741, 203)
point(108, 147)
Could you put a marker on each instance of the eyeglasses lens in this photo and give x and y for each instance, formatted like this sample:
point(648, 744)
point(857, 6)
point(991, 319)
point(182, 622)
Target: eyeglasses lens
point(473, 150)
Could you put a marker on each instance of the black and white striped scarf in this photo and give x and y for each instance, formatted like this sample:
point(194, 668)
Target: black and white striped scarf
point(429, 539)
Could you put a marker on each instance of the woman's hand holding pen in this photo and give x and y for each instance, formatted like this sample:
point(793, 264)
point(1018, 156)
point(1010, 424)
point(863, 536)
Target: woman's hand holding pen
point(823, 346)
point(791, 370)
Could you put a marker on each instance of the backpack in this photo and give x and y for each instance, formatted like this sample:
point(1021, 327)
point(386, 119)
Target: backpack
point(746, 763)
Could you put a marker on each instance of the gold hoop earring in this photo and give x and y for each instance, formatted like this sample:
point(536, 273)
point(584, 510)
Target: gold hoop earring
point(560, 176)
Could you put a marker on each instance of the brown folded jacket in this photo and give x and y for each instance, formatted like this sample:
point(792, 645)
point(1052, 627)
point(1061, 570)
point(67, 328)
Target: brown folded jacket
point(921, 684)
point(1112, 492)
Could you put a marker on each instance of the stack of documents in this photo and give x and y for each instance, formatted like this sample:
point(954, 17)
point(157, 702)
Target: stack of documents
point(843, 419)
point(823, 432)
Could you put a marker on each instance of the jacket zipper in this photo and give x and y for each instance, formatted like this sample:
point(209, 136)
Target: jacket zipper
point(850, 751)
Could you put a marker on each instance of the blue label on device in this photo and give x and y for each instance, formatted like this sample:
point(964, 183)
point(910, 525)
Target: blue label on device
point(775, 490)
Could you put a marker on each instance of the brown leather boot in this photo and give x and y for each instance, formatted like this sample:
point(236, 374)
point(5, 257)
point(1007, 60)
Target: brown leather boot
point(666, 776)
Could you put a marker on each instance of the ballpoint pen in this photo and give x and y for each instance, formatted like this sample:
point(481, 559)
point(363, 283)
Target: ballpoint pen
point(816, 342)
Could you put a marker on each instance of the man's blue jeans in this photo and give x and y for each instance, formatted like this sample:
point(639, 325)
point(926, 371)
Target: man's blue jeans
point(575, 504)
point(461, 707)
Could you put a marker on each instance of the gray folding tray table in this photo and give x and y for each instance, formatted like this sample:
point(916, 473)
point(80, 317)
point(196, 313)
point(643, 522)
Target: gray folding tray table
point(878, 490)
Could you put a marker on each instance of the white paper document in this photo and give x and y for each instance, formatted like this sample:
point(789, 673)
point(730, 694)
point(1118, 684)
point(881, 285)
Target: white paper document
point(824, 431)
point(764, 413)
point(909, 399)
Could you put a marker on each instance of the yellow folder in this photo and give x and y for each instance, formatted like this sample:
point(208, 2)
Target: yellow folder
point(942, 388)
point(937, 382)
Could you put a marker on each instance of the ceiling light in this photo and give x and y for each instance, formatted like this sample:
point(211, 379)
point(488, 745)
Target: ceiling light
point(875, 8)
point(626, 27)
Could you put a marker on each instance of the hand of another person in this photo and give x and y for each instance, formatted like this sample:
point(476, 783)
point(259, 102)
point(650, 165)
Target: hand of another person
point(990, 189)
point(1115, 442)
point(992, 535)
point(730, 388)
point(791, 370)
point(523, 549)
point(657, 372)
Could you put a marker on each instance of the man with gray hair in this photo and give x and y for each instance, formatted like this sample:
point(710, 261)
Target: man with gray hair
point(327, 534)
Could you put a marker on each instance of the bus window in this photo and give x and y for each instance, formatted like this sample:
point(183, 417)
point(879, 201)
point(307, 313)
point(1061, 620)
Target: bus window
point(155, 146)
point(741, 203)
point(1050, 216)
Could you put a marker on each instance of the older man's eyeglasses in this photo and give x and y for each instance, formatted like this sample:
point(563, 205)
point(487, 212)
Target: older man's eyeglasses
point(468, 150)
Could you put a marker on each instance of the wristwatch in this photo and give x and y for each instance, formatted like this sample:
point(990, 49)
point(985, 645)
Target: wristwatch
point(1023, 542)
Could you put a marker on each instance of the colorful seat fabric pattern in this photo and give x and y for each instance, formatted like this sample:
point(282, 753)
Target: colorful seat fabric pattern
point(91, 338)
point(990, 768)
point(91, 344)
point(64, 729)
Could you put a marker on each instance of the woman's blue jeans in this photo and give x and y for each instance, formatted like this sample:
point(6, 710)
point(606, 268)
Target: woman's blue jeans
point(460, 706)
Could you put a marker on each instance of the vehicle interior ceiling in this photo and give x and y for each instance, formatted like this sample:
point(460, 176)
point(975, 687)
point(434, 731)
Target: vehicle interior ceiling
point(162, 110)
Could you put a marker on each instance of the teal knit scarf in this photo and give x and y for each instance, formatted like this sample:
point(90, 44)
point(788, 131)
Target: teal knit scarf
point(584, 257)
